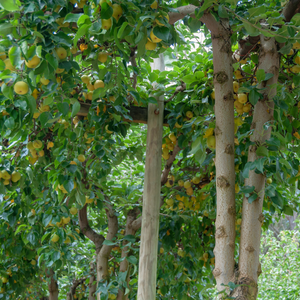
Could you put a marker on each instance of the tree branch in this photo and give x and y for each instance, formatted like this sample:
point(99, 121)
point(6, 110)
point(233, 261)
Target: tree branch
point(168, 165)
point(182, 12)
point(96, 238)
point(290, 9)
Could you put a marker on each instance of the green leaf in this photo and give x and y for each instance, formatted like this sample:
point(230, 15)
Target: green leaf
point(196, 145)
point(278, 200)
point(189, 79)
point(260, 75)
point(75, 109)
point(262, 151)
point(222, 12)
point(63, 108)
point(288, 210)
point(132, 259)
point(69, 185)
point(70, 17)
point(247, 189)
point(80, 33)
point(200, 156)
point(251, 29)
point(52, 61)
point(130, 238)
point(121, 30)
point(254, 96)
point(46, 219)
point(44, 118)
point(106, 11)
point(252, 198)
point(10, 123)
point(15, 56)
point(10, 5)
point(83, 20)
point(39, 35)
point(248, 166)
point(259, 164)
point(285, 163)
point(109, 243)
point(161, 32)
point(80, 198)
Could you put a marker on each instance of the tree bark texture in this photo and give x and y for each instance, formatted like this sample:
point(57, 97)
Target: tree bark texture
point(124, 265)
point(252, 217)
point(93, 282)
point(103, 254)
point(151, 197)
point(52, 285)
point(224, 133)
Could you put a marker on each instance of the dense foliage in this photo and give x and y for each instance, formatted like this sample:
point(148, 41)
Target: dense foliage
point(74, 78)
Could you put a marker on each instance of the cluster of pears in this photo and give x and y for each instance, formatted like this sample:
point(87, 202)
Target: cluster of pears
point(117, 13)
point(36, 150)
point(90, 86)
point(169, 145)
point(21, 87)
point(241, 103)
point(210, 138)
point(15, 176)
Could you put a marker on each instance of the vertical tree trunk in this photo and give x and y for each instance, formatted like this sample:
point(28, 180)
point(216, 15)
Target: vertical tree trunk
point(52, 286)
point(151, 198)
point(252, 217)
point(103, 254)
point(124, 265)
point(291, 220)
point(224, 132)
point(92, 283)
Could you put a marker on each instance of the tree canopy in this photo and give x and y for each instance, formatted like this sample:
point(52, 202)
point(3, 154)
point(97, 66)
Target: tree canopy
point(76, 80)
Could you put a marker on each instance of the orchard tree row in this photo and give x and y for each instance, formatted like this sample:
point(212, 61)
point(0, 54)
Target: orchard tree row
point(81, 82)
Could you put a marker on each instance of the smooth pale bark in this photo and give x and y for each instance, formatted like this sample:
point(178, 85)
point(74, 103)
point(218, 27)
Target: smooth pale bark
point(151, 197)
point(252, 217)
point(124, 265)
point(103, 254)
point(224, 161)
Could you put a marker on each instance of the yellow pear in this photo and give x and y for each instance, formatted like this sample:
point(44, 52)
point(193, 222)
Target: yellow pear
point(154, 5)
point(150, 46)
point(98, 84)
point(8, 65)
point(85, 79)
point(44, 81)
point(154, 38)
point(117, 11)
point(21, 88)
point(102, 57)
point(15, 176)
point(61, 52)
point(81, 157)
point(106, 24)
point(242, 98)
point(33, 63)
point(55, 238)
point(73, 210)
point(211, 142)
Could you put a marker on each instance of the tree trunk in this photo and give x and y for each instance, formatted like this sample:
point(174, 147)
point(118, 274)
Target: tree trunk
point(252, 217)
point(92, 283)
point(124, 265)
point(52, 285)
point(224, 133)
point(291, 220)
point(151, 198)
point(103, 254)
